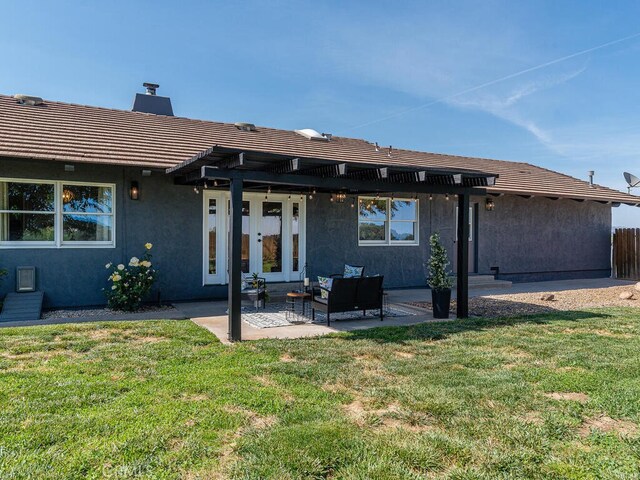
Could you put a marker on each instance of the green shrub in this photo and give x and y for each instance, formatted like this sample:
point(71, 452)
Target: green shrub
point(439, 278)
point(130, 284)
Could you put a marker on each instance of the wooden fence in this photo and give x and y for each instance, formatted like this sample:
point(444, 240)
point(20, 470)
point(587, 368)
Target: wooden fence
point(626, 253)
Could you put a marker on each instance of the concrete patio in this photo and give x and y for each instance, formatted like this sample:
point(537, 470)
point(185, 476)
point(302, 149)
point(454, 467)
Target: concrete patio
point(213, 317)
point(212, 314)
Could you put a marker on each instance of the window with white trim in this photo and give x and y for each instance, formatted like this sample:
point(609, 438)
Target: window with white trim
point(40, 213)
point(387, 221)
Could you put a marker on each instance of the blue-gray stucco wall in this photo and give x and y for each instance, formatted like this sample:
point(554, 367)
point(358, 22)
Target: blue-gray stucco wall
point(528, 239)
point(167, 215)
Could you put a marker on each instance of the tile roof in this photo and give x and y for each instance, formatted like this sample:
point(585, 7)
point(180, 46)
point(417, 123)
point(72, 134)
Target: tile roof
point(79, 133)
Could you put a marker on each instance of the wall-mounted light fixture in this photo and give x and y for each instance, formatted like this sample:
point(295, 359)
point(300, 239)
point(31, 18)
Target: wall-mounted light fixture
point(134, 191)
point(146, 173)
point(489, 205)
point(69, 168)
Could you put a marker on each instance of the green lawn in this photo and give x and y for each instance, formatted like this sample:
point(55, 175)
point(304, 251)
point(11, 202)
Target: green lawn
point(556, 396)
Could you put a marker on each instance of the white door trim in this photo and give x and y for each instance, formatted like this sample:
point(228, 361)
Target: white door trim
point(255, 250)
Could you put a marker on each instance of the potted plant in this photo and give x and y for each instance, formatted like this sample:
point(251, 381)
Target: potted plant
point(439, 279)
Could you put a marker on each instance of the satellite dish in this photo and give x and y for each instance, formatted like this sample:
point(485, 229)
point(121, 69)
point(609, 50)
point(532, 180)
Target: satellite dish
point(632, 180)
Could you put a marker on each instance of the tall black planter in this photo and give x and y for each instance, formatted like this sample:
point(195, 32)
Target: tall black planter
point(440, 301)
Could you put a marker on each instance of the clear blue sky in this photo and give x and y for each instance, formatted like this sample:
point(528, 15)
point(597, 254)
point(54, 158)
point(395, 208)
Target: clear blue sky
point(359, 69)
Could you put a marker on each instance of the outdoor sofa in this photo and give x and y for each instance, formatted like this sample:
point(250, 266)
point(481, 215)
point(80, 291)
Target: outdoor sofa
point(349, 295)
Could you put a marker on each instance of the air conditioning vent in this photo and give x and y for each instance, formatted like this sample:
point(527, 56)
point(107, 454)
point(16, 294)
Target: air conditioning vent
point(28, 100)
point(245, 127)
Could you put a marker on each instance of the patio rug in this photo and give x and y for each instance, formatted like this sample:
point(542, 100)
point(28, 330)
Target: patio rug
point(280, 315)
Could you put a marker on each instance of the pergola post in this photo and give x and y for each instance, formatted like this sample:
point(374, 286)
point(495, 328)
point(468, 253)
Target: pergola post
point(462, 292)
point(235, 261)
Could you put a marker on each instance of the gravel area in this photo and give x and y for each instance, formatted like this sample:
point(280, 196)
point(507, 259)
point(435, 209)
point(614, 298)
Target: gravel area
point(531, 303)
point(102, 312)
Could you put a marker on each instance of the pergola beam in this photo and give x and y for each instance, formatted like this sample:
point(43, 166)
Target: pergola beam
point(286, 166)
point(332, 170)
point(331, 183)
point(381, 173)
point(234, 161)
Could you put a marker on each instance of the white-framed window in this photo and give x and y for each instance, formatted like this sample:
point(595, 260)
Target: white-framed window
point(42, 213)
point(387, 221)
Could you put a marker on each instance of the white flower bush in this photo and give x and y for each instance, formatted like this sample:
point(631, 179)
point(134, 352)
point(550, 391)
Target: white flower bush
point(131, 285)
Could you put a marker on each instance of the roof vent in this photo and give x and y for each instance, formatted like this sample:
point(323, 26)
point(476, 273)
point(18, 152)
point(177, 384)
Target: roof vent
point(151, 103)
point(312, 134)
point(28, 100)
point(245, 127)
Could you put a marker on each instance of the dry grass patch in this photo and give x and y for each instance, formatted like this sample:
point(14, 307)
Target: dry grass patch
point(573, 396)
point(366, 357)
point(336, 387)
point(597, 331)
point(149, 339)
point(254, 419)
point(198, 397)
point(403, 354)
point(605, 423)
point(268, 382)
point(287, 358)
point(391, 416)
point(532, 417)
point(265, 381)
point(40, 355)
point(175, 444)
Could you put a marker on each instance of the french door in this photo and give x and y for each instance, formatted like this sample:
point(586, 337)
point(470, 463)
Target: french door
point(273, 236)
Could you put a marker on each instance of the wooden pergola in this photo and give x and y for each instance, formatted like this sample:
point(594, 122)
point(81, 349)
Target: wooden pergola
point(239, 171)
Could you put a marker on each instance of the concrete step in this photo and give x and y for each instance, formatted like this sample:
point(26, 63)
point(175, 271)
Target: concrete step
point(481, 282)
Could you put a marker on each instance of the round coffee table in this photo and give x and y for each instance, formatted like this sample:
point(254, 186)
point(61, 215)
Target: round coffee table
point(293, 296)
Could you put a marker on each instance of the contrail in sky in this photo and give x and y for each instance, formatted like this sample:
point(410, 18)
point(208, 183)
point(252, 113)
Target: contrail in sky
point(497, 80)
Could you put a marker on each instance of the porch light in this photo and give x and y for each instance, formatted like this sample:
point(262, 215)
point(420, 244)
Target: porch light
point(446, 197)
point(489, 205)
point(341, 197)
point(430, 197)
point(134, 191)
